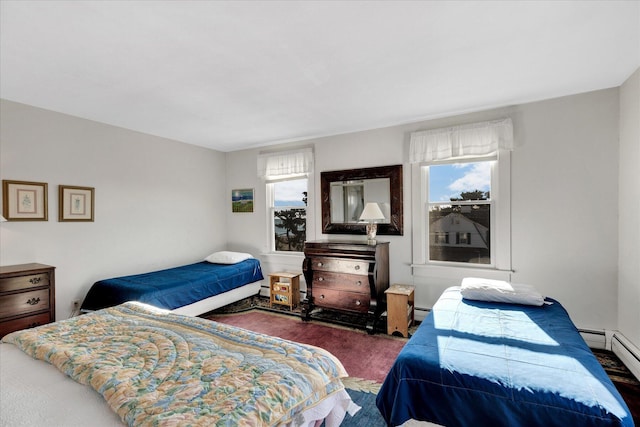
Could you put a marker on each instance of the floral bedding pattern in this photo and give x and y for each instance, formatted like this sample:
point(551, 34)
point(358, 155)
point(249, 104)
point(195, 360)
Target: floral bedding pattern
point(158, 368)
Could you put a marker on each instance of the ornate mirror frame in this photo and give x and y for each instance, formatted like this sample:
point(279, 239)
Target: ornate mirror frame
point(394, 173)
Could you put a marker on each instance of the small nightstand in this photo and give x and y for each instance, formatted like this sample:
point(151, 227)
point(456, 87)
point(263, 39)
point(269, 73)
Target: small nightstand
point(27, 296)
point(285, 289)
point(400, 309)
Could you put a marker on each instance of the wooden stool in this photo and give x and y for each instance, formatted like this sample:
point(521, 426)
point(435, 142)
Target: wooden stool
point(400, 309)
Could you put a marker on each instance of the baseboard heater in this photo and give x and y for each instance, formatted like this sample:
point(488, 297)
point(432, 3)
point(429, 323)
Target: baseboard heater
point(594, 338)
point(628, 353)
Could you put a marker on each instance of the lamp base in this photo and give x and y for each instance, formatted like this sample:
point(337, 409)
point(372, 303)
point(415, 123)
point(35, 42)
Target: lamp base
point(372, 229)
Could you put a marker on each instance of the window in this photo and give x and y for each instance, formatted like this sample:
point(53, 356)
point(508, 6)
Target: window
point(461, 187)
point(459, 204)
point(288, 213)
point(287, 176)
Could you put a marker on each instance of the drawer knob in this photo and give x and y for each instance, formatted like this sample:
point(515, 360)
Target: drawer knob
point(358, 302)
point(35, 280)
point(33, 301)
point(321, 296)
point(320, 279)
point(357, 267)
point(359, 283)
point(319, 264)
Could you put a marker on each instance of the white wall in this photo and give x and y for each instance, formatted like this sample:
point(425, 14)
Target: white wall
point(629, 210)
point(564, 200)
point(158, 203)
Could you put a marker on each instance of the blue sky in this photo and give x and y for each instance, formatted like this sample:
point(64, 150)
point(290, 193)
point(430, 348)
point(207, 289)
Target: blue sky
point(446, 181)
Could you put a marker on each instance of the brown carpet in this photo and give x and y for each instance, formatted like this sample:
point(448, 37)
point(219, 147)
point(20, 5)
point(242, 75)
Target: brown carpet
point(370, 357)
point(363, 356)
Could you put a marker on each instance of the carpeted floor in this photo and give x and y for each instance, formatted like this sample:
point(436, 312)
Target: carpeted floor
point(368, 358)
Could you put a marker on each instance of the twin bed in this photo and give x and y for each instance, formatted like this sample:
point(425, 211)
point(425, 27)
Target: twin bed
point(222, 278)
point(482, 363)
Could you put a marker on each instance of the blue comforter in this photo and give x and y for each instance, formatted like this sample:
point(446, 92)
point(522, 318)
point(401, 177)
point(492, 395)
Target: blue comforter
point(174, 287)
point(473, 363)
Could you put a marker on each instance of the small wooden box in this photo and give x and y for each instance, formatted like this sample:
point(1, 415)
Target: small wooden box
point(400, 309)
point(284, 289)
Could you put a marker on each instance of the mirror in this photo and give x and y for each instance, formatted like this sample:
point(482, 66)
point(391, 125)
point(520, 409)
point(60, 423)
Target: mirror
point(344, 194)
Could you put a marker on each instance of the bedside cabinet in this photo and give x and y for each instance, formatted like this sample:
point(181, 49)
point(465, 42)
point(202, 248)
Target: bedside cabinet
point(284, 289)
point(27, 296)
point(400, 309)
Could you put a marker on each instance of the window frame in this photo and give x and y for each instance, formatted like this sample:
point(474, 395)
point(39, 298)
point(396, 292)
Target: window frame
point(271, 208)
point(500, 219)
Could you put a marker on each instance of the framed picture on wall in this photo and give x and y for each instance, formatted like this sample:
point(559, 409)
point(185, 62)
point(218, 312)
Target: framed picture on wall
point(24, 201)
point(75, 203)
point(242, 200)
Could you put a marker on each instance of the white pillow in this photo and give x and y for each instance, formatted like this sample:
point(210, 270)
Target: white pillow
point(474, 288)
point(227, 257)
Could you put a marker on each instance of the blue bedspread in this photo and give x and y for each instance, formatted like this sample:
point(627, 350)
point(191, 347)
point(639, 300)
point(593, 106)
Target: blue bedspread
point(174, 287)
point(473, 363)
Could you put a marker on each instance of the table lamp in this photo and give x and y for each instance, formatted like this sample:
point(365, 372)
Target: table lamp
point(371, 213)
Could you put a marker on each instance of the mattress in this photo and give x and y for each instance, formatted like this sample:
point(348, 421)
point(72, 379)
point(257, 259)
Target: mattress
point(473, 363)
point(174, 287)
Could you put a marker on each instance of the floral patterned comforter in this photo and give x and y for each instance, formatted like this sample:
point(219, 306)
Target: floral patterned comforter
point(158, 368)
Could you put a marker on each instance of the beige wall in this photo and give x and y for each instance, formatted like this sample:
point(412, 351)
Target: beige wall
point(564, 200)
point(629, 210)
point(158, 203)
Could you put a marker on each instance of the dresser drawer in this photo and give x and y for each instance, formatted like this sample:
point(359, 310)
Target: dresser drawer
point(8, 284)
point(341, 300)
point(341, 281)
point(340, 265)
point(24, 322)
point(24, 303)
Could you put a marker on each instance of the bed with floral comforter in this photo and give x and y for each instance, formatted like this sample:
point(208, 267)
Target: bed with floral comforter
point(157, 368)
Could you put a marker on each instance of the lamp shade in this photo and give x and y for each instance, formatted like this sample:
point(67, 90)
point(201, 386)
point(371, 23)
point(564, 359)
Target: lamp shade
point(371, 212)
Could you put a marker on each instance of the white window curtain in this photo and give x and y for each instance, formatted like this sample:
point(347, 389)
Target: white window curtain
point(457, 142)
point(285, 164)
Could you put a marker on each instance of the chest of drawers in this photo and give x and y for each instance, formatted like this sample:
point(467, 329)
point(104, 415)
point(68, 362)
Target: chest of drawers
point(27, 296)
point(346, 276)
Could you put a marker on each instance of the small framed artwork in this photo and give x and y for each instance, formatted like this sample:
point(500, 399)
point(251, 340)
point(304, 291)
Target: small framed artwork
point(75, 203)
point(242, 200)
point(24, 201)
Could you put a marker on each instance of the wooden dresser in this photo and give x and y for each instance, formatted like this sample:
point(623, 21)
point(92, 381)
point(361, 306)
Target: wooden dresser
point(27, 296)
point(346, 276)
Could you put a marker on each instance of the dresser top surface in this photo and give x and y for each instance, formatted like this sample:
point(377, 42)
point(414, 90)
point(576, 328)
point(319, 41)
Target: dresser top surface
point(9, 269)
point(336, 243)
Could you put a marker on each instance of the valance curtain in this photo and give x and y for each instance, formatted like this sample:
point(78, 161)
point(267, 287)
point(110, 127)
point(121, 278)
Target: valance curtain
point(457, 142)
point(285, 164)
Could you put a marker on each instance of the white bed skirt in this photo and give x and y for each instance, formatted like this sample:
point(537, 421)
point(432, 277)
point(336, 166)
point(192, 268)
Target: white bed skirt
point(220, 300)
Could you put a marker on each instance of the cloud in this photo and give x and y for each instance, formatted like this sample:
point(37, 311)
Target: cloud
point(477, 178)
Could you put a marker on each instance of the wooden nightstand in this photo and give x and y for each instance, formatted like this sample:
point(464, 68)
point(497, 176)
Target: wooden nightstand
point(284, 289)
point(27, 296)
point(400, 309)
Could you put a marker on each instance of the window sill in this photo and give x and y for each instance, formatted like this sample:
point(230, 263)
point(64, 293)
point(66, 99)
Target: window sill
point(460, 271)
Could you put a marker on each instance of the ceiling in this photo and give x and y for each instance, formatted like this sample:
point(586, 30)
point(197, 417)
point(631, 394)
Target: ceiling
point(235, 75)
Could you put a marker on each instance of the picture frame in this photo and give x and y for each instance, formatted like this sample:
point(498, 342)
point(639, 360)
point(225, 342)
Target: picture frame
point(76, 204)
point(24, 200)
point(242, 200)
